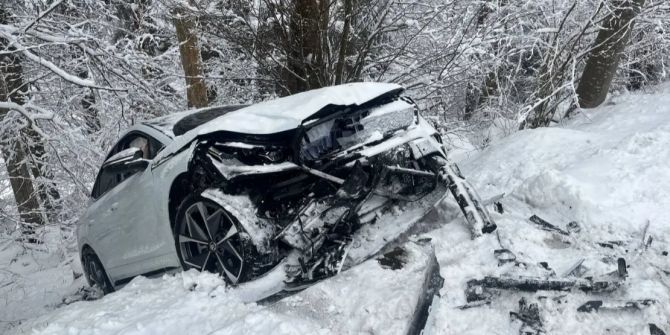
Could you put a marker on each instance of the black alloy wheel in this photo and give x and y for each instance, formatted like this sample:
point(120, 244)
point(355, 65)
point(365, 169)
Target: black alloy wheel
point(208, 238)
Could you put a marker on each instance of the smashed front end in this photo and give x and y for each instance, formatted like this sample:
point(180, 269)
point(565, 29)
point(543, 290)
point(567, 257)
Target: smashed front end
point(335, 190)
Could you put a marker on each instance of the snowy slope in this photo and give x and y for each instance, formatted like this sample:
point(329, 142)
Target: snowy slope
point(608, 169)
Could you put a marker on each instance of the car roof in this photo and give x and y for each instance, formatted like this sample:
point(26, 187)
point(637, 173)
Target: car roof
point(176, 124)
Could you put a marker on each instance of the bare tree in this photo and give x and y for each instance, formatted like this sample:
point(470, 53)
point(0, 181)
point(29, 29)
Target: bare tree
point(15, 152)
point(196, 89)
point(604, 58)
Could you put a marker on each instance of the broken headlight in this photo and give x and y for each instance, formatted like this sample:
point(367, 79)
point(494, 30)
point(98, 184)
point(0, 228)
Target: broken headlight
point(250, 154)
point(357, 128)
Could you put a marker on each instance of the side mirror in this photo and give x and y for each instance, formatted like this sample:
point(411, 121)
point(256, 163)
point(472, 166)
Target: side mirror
point(126, 161)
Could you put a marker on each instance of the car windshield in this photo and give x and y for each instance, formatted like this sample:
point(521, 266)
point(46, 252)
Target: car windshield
point(199, 118)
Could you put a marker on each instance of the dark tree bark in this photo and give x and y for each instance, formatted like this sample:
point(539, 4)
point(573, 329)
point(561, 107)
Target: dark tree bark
point(15, 153)
point(42, 175)
point(306, 63)
point(91, 118)
point(476, 96)
point(196, 89)
point(604, 58)
point(344, 42)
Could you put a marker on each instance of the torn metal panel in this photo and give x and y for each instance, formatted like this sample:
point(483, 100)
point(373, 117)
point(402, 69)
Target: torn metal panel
point(429, 297)
point(529, 316)
point(477, 287)
point(615, 305)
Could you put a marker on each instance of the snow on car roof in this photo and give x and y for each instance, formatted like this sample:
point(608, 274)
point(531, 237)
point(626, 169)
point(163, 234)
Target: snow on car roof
point(179, 123)
point(270, 116)
point(274, 116)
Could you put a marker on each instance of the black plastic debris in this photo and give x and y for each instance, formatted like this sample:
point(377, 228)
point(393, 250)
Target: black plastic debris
point(474, 304)
point(529, 315)
point(616, 305)
point(498, 207)
point(474, 293)
point(394, 259)
point(545, 266)
point(477, 288)
point(610, 244)
point(622, 269)
point(573, 227)
point(655, 330)
point(544, 225)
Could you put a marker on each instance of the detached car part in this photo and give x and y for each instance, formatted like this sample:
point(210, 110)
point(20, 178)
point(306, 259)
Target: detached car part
point(478, 289)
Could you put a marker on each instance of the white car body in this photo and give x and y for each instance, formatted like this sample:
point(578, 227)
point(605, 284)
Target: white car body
point(129, 226)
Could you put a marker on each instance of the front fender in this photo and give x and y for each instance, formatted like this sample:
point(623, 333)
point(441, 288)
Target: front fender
point(260, 231)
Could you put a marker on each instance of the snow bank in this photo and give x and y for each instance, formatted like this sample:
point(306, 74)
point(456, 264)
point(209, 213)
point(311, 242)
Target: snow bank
point(366, 299)
point(186, 303)
point(608, 170)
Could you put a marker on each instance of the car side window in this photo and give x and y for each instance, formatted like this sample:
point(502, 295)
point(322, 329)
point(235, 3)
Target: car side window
point(107, 180)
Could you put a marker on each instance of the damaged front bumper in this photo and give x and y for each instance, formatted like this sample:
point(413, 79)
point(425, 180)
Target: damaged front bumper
point(322, 217)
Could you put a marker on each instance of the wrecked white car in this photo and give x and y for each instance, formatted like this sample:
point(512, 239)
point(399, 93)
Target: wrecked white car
point(303, 185)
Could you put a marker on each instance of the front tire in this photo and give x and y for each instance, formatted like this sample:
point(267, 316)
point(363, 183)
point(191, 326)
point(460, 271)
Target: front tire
point(208, 238)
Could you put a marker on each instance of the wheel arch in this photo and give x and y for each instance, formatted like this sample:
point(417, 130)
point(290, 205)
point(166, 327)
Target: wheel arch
point(179, 190)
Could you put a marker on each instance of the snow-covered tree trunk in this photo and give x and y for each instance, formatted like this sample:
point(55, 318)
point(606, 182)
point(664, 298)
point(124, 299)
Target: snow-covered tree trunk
point(604, 57)
point(14, 152)
point(196, 89)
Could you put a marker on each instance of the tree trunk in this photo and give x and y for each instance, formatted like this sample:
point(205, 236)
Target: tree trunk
point(91, 117)
point(22, 185)
point(604, 58)
point(305, 50)
point(16, 153)
point(196, 90)
point(344, 42)
point(42, 175)
point(476, 96)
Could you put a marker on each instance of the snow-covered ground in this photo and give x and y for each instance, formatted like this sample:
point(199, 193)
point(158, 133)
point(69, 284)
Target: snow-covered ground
point(608, 169)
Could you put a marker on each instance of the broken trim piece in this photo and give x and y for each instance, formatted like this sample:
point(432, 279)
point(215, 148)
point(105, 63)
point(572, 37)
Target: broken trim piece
point(429, 298)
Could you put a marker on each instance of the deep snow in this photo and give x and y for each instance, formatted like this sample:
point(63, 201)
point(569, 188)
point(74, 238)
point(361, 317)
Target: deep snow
point(607, 169)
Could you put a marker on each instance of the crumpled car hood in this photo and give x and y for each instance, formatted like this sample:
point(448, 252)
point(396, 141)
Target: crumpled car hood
point(283, 114)
point(288, 113)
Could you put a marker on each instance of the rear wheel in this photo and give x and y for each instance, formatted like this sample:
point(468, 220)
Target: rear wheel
point(95, 273)
point(208, 238)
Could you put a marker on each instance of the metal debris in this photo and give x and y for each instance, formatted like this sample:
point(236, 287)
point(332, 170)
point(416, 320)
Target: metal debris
point(529, 315)
point(544, 225)
point(655, 330)
point(615, 305)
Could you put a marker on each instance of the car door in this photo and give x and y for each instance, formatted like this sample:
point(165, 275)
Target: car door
point(125, 226)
